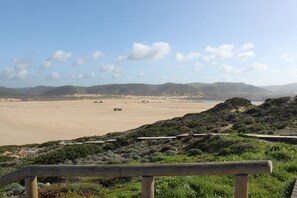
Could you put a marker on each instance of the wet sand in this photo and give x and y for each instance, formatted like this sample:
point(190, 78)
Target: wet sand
point(26, 122)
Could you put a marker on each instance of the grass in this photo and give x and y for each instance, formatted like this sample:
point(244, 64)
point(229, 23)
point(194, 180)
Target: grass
point(211, 149)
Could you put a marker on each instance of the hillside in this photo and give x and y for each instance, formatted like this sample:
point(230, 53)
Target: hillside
point(226, 88)
point(289, 89)
point(215, 91)
point(237, 115)
point(123, 89)
point(233, 117)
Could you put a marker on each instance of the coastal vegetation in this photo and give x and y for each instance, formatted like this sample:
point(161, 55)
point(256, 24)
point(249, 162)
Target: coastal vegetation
point(226, 125)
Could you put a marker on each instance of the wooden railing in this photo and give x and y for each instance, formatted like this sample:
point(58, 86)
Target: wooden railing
point(240, 170)
point(294, 191)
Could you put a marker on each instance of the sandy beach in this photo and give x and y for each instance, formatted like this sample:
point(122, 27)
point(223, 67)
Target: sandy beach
point(26, 122)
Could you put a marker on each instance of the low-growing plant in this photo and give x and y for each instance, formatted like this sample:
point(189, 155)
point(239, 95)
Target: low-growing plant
point(67, 153)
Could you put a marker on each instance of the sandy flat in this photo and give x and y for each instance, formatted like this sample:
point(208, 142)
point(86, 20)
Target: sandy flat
point(24, 122)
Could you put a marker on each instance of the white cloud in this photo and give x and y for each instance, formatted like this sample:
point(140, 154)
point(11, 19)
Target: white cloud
point(228, 69)
point(97, 54)
point(246, 55)
point(86, 76)
point(57, 56)
point(248, 46)
point(223, 52)
point(287, 57)
point(14, 73)
point(54, 76)
point(120, 58)
point(197, 67)
point(94, 56)
point(79, 62)
point(187, 57)
point(60, 55)
point(256, 67)
point(141, 51)
point(47, 64)
point(208, 58)
point(250, 68)
point(141, 74)
point(114, 69)
point(18, 71)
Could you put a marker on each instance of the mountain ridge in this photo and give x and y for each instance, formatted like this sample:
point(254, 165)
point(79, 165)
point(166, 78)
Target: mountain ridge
point(218, 90)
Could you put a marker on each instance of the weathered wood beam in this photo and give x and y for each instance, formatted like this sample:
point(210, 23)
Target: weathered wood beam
point(31, 187)
point(241, 186)
point(209, 168)
point(148, 187)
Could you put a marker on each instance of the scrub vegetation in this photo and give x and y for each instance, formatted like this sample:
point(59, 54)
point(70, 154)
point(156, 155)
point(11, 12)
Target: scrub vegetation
point(234, 118)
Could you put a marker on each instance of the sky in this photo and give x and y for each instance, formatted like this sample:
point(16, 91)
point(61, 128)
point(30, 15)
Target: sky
point(85, 43)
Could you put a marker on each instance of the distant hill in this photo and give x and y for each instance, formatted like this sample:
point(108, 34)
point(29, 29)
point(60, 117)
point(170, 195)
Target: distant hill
point(7, 92)
point(64, 90)
point(288, 89)
point(213, 91)
point(123, 89)
point(225, 90)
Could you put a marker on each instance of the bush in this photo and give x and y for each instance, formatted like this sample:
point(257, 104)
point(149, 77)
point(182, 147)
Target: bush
point(6, 158)
point(193, 152)
point(67, 153)
point(238, 148)
point(10, 148)
point(282, 152)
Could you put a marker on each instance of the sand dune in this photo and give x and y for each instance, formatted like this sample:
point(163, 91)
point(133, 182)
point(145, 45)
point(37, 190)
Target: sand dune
point(24, 122)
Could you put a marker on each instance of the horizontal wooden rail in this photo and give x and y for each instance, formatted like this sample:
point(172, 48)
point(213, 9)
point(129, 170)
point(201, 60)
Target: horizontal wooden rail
point(287, 139)
point(157, 138)
point(147, 171)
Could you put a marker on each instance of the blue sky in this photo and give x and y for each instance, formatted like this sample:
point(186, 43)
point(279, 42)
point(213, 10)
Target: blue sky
point(92, 42)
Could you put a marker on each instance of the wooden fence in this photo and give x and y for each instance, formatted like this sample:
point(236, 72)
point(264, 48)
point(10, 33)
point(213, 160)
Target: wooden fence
point(240, 170)
point(294, 192)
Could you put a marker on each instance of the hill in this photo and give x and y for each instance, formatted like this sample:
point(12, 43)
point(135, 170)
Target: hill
point(236, 115)
point(227, 90)
point(288, 89)
point(123, 89)
point(233, 118)
point(216, 91)
point(6, 92)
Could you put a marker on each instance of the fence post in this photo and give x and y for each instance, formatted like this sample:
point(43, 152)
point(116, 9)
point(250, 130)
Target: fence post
point(31, 187)
point(241, 186)
point(148, 187)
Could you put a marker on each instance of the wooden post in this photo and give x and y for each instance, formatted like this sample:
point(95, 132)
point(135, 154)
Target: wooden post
point(31, 187)
point(148, 188)
point(241, 186)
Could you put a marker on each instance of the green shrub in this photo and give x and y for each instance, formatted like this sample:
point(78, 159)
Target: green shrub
point(67, 153)
point(193, 152)
point(282, 152)
point(238, 148)
point(10, 148)
point(6, 158)
point(292, 168)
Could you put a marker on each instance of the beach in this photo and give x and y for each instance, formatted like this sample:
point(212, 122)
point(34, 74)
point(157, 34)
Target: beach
point(28, 122)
